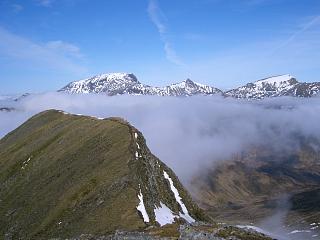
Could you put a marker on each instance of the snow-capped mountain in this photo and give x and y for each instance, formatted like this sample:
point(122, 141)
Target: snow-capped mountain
point(124, 83)
point(189, 88)
point(282, 85)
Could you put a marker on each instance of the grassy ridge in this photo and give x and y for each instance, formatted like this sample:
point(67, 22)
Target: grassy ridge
point(64, 174)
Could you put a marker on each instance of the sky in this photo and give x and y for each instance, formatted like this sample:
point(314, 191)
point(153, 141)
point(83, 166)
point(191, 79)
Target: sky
point(45, 44)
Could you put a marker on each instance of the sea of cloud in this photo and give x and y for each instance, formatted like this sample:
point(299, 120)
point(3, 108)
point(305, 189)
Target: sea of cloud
point(188, 134)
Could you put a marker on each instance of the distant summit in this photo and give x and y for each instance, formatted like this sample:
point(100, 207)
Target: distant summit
point(125, 83)
point(110, 83)
point(277, 86)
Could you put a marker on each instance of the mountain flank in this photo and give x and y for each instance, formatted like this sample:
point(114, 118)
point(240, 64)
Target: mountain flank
point(63, 175)
point(260, 181)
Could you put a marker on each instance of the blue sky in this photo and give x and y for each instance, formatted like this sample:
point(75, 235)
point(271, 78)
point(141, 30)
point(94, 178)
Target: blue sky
point(44, 44)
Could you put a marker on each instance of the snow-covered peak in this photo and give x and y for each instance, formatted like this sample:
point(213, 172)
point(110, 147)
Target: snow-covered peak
point(276, 80)
point(108, 83)
point(112, 77)
point(186, 83)
point(124, 83)
point(276, 86)
point(127, 83)
point(190, 88)
point(183, 84)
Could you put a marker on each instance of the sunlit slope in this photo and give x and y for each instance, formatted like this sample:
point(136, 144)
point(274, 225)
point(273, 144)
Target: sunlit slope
point(64, 175)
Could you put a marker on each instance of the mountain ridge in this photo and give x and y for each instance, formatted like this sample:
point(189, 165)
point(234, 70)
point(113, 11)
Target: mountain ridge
point(127, 83)
point(275, 86)
point(68, 176)
point(64, 175)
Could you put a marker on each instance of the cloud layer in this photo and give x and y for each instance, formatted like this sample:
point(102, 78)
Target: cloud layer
point(187, 133)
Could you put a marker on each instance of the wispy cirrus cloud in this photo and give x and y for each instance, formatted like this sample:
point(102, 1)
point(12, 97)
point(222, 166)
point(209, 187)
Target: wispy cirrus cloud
point(305, 27)
point(57, 55)
point(159, 20)
point(67, 49)
point(254, 2)
point(297, 53)
point(45, 3)
point(16, 8)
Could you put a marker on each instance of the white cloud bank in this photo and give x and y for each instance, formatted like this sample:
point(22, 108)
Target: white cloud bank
point(187, 133)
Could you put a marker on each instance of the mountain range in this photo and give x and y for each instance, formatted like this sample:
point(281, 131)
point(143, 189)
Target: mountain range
point(124, 83)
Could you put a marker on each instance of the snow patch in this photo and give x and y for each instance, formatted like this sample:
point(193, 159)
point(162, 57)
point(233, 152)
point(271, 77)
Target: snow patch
point(141, 208)
point(138, 146)
point(299, 231)
point(185, 213)
point(25, 163)
point(164, 215)
point(277, 79)
point(63, 112)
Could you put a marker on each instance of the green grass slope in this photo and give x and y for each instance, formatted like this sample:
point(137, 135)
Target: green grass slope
point(63, 175)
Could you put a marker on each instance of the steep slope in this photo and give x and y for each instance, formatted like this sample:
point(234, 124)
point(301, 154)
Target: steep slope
point(261, 181)
point(283, 85)
point(124, 83)
point(63, 175)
